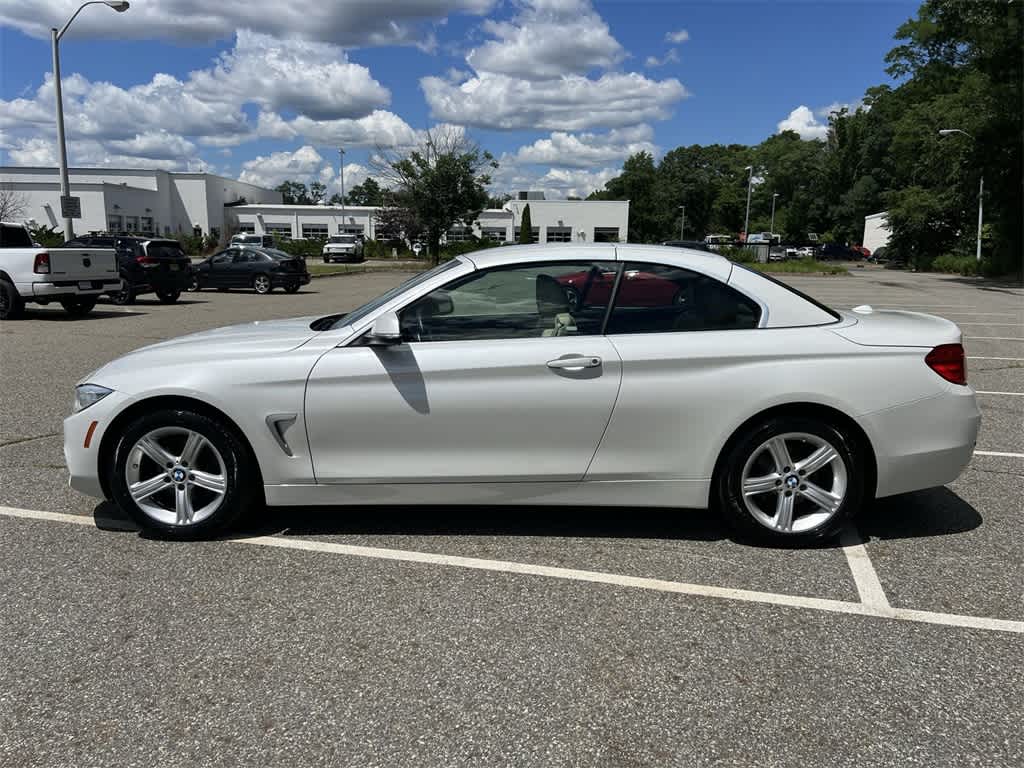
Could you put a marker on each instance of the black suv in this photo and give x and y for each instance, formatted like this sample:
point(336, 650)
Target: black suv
point(147, 265)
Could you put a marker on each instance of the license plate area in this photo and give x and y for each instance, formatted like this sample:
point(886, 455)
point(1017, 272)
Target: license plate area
point(85, 285)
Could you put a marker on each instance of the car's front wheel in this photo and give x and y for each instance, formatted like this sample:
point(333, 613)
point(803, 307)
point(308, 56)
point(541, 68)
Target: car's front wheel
point(168, 297)
point(182, 475)
point(261, 284)
point(11, 304)
point(791, 480)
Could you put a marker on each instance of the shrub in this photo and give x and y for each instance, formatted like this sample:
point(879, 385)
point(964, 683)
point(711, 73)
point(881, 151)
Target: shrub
point(451, 250)
point(738, 254)
point(956, 265)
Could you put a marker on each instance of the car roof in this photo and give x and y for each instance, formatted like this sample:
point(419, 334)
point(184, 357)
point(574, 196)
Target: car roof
point(701, 261)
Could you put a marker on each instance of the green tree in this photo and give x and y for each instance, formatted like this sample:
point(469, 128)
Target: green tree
point(367, 193)
point(526, 227)
point(441, 182)
point(317, 192)
point(48, 237)
point(293, 193)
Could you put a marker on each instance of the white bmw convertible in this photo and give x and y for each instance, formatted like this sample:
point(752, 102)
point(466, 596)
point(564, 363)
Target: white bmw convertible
point(583, 375)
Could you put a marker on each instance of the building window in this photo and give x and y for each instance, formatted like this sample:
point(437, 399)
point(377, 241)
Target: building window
point(131, 223)
point(460, 235)
point(350, 229)
point(606, 234)
point(497, 234)
point(559, 234)
point(146, 224)
point(246, 228)
point(316, 231)
point(114, 222)
point(284, 230)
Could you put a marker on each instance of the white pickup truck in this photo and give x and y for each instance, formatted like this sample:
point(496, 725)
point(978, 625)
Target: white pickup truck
point(75, 277)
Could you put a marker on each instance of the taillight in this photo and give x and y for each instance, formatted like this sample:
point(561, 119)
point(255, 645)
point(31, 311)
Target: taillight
point(145, 260)
point(947, 360)
point(41, 266)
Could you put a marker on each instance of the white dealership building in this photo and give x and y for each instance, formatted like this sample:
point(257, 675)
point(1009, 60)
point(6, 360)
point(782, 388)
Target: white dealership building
point(168, 202)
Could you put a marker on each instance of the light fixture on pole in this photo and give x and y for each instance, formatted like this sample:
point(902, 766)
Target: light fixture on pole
point(682, 223)
point(750, 183)
point(55, 35)
point(341, 173)
point(774, 197)
point(981, 189)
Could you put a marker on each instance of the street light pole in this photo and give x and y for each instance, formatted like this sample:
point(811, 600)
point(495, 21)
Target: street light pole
point(682, 223)
point(341, 172)
point(774, 196)
point(746, 220)
point(981, 190)
point(55, 35)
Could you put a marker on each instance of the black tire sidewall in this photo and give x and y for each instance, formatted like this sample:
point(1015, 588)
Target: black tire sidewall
point(80, 306)
point(237, 497)
point(168, 297)
point(15, 305)
point(729, 480)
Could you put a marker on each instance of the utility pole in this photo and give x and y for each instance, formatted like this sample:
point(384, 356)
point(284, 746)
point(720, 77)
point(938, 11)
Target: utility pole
point(341, 172)
point(774, 196)
point(746, 221)
point(682, 223)
point(981, 189)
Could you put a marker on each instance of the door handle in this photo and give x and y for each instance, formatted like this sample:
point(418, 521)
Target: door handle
point(576, 363)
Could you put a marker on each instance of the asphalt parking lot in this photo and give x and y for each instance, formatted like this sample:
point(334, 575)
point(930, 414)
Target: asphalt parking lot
point(386, 637)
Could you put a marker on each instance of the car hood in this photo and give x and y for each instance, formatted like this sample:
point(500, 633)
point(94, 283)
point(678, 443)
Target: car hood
point(246, 340)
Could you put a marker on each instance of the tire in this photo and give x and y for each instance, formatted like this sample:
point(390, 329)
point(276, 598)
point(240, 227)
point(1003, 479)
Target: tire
point(262, 285)
point(168, 297)
point(221, 457)
point(193, 285)
point(11, 304)
point(823, 499)
point(78, 307)
point(326, 260)
point(292, 288)
point(125, 296)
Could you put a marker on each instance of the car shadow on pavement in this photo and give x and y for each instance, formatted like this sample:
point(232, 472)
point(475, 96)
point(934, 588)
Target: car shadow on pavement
point(932, 512)
point(60, 316)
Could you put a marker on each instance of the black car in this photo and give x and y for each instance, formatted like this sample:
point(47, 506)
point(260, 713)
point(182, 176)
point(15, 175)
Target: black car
point(262, 269)
point(839, 252)
point(146, 264)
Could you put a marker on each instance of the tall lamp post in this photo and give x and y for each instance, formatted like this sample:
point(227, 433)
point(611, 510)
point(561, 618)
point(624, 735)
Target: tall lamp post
point(341, 173)
point(682, 223)
point(981, 188)
point(55, 35)
point(775, 196)
point(746, 221)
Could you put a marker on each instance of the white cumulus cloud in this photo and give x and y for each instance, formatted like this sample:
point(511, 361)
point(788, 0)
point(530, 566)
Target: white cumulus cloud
point(803, 121)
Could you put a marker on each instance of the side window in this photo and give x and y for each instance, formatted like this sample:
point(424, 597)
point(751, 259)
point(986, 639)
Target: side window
point(224, 257)
point(655, 298)
point(520, 302)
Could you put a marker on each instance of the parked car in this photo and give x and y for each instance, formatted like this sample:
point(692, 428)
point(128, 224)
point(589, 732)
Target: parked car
point(880, 255)
point(247, 238)
point(806, 252)
point(262, 269)
point(838, 252)
point(477, 383)
point(866, 253)
point(343, 248)
point(73, 276)
point(146, 265)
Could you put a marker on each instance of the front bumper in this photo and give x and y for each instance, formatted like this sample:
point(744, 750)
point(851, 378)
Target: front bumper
point(926, 443)
point(343, 256)
point(82, 461)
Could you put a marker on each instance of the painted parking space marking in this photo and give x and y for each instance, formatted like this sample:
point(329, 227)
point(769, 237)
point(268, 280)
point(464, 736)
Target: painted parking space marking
point(1004, 394)
point(983, 357)
point(869, 587)
point(1000, 453)
point(873, 609)
point(995, 338)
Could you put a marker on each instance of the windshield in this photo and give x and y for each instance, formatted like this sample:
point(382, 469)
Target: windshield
point(342, 239)
point(355, 316)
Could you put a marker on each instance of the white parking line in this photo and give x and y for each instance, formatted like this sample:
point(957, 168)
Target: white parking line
point(864, 576)
point(995, 338)
point(1012, 325)
point(596, 577)
point(981, 357)
point(1008, 394)
point(1000, 453)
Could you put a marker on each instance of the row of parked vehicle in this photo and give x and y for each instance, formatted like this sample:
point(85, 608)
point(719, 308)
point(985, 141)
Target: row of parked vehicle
point(125, 266)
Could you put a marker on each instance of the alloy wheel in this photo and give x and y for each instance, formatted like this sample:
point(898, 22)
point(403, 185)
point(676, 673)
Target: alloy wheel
point(176, 476)
point(794, 482)
point(261, 284)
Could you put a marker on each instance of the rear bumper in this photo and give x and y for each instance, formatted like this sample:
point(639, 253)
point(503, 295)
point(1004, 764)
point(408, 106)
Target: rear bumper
point(64, 288)
point(290, 279)
point(926, 443)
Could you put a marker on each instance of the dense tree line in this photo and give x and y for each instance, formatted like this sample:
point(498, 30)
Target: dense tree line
point(958, 65)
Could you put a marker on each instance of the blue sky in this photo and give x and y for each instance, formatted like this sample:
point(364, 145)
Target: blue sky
point(560, 90)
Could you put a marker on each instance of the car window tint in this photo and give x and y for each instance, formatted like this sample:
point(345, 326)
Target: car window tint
point(655, 298)
point(524, 301)
point(224, 257)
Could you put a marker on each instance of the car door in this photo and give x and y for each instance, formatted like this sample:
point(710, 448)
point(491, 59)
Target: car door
point(497, 380)
point(218, 275)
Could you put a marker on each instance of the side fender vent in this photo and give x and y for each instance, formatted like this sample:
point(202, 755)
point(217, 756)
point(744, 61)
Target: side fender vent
point(279, 424)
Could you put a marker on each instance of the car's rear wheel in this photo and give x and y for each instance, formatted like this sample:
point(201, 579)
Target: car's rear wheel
point(193, 284)
point(11, 305)
point(182, 475)
point(262, 285)
point(791, 480)
point(292, 288)
point(168, 297)
point(78, 307)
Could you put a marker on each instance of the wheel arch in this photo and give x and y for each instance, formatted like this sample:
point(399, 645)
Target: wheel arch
point(111, 434)
point(826, 413)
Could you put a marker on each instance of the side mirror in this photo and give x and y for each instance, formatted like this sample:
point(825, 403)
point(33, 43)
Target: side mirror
point(385, 331)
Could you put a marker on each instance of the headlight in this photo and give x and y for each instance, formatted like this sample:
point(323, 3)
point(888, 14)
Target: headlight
point(89, 394)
